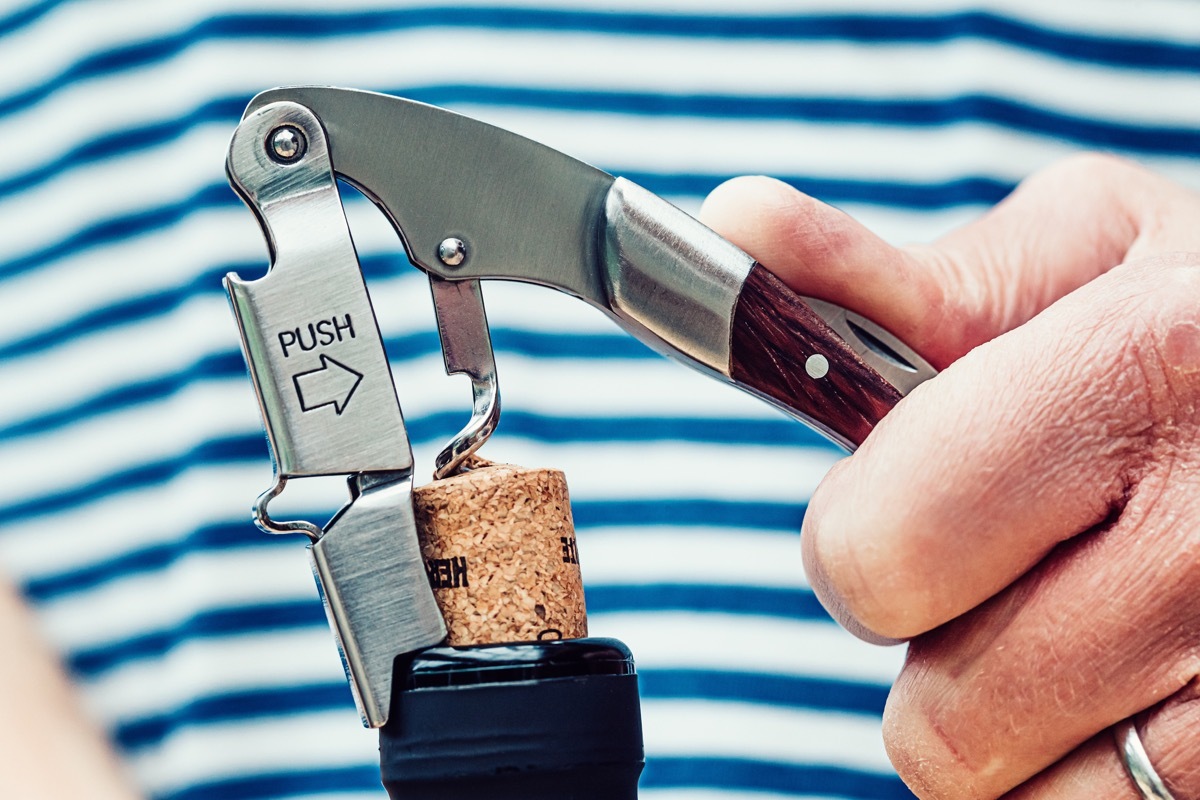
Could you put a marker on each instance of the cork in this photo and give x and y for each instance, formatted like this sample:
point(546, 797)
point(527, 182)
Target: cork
point(499, 548)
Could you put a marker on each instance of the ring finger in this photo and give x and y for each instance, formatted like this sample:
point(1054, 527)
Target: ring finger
point(1099, 631)
point(1172, 744)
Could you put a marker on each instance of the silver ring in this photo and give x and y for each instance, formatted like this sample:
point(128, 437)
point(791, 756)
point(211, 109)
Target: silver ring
point(1137, 763)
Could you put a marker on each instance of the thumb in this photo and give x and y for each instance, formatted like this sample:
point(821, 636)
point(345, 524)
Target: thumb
point(1058, 230)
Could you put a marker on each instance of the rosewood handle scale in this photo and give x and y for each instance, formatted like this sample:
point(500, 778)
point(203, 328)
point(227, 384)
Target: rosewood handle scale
point(775, 338)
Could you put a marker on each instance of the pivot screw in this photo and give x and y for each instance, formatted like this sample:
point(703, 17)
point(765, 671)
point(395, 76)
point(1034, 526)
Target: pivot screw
point(287, 144)
point(452, 252)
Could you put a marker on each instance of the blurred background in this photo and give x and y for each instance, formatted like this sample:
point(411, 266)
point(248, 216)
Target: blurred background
point(130, 441)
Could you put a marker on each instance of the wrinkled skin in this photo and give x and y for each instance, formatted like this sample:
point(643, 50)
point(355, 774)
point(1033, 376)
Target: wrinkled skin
point(1029, 519)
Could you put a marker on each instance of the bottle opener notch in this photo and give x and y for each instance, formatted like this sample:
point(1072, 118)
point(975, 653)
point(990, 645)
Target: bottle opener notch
point(312, 344)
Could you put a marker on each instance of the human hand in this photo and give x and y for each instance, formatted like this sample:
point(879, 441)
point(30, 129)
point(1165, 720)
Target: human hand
point(1030, 518)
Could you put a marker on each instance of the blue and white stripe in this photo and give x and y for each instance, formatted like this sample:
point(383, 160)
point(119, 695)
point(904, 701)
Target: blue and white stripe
point(130, 444)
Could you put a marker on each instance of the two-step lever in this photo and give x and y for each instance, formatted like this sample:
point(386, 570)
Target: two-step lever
point(317, 360)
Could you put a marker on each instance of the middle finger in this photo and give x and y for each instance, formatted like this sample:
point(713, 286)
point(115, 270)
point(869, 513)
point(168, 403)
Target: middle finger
point(1103, 628)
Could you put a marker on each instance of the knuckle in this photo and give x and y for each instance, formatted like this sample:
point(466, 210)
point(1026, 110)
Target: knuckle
point(954, 296)
point(1127, 189)
point(1104, 169)
point(869, 583)
point(886, 607)
point(1164, 346)
point(819, 231)
point(899, 602)
point(1132, 359)
point(924, 756)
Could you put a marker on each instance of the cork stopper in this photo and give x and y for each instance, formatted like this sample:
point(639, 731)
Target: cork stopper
point(499, 548)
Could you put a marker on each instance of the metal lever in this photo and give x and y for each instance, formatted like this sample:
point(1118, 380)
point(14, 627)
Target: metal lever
point(466, 349)
point(328, 401)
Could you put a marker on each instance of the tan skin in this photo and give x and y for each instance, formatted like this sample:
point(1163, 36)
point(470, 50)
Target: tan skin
point(55, 752)
point(1030, 519)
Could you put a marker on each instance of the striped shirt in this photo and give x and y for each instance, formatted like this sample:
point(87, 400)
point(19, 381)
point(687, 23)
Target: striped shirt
point(131, 444)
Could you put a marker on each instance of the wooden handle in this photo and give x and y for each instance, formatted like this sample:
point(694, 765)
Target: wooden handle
point(782, 350)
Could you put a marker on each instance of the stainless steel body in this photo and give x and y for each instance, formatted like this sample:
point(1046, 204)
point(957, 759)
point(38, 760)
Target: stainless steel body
point(469, 202)
point(525, 212)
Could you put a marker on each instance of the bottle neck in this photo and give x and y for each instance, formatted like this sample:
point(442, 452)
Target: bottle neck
point(528, 721)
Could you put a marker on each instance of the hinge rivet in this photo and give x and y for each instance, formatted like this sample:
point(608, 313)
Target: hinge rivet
point(286, 144)
point(452, 252)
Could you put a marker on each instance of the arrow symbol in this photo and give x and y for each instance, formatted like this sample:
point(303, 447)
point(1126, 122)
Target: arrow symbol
point(331, 384)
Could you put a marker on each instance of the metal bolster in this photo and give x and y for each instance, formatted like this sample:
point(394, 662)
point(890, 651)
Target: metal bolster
point(673, 280)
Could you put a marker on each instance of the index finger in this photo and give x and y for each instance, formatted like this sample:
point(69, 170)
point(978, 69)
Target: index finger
point(1025, 442)
point(1061, 228)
